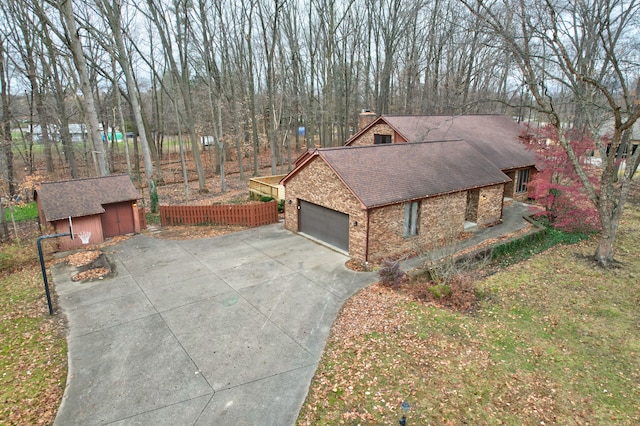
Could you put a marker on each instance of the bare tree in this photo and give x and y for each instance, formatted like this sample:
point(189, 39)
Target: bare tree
point(6, 152)
point(28, 33)
point(112, 11)
point(180, 68)
point(71, 38)
point(585, 49)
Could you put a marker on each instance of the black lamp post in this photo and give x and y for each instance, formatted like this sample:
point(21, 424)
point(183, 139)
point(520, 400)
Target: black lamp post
point(405, 409)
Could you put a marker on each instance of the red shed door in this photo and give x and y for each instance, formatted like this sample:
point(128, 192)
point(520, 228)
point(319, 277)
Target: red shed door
point(117, 219)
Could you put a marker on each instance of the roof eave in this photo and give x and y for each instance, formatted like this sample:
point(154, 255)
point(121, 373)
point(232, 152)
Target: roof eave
point(439, 194)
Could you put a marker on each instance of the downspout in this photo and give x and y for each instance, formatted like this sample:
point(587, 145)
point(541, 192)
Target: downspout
point(502, 209)
point(366, 240)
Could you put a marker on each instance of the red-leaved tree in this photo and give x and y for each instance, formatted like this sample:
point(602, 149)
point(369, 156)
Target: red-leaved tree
point(556, 186)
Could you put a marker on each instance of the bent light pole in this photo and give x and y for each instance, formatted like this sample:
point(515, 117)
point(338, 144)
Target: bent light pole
point(44, 269)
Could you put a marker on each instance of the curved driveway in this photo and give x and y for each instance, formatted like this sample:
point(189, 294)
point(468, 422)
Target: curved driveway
point(226, 330)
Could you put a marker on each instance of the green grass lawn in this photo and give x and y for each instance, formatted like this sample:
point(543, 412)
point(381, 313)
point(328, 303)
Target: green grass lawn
point(22, 213)
point(555, 339)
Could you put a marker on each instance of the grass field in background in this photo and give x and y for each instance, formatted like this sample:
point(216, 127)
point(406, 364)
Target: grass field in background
point(22, 213)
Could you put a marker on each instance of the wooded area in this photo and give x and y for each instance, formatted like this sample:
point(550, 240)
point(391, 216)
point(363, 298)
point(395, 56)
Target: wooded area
point(281, 75)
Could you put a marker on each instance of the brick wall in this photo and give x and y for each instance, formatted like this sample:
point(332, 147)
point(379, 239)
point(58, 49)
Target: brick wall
point(381, 129)
point(441, 220)
point(318, 184)
point(490, 205)
point(510, 187)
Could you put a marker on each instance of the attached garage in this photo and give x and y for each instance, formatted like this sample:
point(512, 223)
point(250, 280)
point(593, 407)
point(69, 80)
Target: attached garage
point(327, 225)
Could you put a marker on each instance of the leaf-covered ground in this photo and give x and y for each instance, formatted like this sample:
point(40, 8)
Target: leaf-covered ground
point(33, 357)
point(555, 340)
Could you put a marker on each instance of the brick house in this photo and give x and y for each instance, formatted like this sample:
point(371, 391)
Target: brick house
point(495, 137)
point(105, 206)
point(376, 202)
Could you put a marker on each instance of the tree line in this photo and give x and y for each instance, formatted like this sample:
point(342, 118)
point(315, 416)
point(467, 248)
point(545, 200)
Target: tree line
point(251, 74)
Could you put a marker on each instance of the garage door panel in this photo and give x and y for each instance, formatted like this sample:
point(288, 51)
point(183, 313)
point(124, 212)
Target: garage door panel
point(327, 225)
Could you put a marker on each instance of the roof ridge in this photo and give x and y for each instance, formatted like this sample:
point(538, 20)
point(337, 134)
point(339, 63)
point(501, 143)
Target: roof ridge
point(446, 115)
point(397, 145)
point(83, 178)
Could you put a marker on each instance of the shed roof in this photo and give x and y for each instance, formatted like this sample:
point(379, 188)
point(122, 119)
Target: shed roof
point(380, 175)
point(84, 197)
point(496, 137)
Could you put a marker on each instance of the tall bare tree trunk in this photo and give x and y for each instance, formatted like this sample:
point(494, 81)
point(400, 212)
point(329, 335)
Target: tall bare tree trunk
point(75, 45)
point(113, 15)
point(6, 151)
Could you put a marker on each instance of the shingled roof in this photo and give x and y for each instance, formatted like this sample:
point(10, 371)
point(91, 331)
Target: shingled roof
point(380, 175)
point(84, 197)
point(496, 137)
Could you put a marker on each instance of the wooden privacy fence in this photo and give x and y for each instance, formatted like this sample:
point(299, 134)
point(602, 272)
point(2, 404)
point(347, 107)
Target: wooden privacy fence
point(142, 215)
point(250, 215)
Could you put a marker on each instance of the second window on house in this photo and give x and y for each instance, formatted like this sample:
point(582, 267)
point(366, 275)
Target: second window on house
point(411, 212)
point(381, 139)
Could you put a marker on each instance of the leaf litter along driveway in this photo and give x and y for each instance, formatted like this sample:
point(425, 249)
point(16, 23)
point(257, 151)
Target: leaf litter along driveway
point(207, 331)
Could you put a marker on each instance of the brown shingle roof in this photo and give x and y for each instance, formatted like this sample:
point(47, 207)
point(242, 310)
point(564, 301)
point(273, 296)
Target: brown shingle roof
point(84, 197)
point(496, 137)
point(380, 175)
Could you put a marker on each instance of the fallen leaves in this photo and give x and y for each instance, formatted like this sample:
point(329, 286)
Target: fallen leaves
point(88, 265)
point(82, 258)
point(32, 351)
point(91, 274)
point(553, 341)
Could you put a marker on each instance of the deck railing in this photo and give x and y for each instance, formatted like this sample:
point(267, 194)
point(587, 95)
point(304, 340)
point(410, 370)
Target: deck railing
point(268, 186)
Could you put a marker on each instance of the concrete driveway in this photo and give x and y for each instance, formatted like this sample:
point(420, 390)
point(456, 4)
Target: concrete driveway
point(227, 330)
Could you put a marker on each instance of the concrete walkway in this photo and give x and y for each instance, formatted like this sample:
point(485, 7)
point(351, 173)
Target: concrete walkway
point(221, 331)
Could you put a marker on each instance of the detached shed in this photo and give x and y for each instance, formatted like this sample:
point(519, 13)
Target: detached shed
point(105, 206)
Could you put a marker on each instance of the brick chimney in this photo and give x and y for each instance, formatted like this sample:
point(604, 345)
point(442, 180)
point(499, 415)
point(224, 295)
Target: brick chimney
point(365, 118)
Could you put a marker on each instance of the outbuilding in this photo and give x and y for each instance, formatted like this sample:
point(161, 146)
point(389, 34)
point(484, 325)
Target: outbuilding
point(381, 201)
point(99, 208)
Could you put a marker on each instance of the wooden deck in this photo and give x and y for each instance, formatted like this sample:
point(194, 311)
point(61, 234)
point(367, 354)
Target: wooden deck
point(267, 186)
